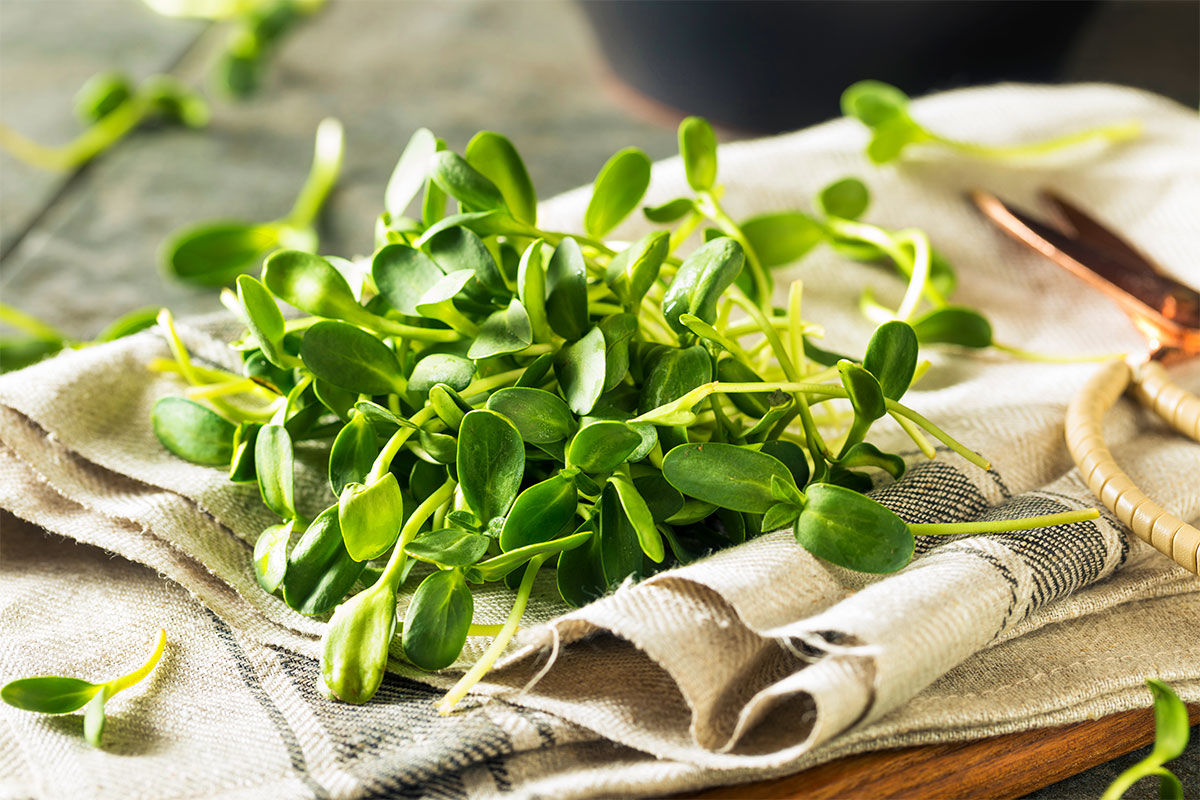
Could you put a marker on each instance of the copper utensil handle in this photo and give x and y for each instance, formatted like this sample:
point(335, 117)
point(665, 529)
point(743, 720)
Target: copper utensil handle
point(1085, 439)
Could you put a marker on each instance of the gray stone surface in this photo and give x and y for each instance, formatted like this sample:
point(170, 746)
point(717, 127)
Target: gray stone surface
point(384, 68)
point(48, 48)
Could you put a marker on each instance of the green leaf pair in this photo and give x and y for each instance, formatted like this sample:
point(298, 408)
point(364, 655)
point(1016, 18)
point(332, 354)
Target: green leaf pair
point(59, 695)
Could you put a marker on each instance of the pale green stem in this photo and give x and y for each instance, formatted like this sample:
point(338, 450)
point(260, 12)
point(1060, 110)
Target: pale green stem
point(555, 238)
point(886, 242)
point(240, 386)
point(399, 329)
point(1114, 133)
point(93, 141)
point(327, 164)
point(395, 565)
point(728, 226)
point(816, 444)
point(477, 629)
point(31, 325)
point(1051, 358)
point(493, 653)
point(795, 333)
point(914, 433)
point(125, 681)
point(1002, 525)
point(683, 231)
point(919, 279)
point(383, 461)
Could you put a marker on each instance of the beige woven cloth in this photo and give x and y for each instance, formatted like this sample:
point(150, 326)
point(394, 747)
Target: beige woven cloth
point(758, 661)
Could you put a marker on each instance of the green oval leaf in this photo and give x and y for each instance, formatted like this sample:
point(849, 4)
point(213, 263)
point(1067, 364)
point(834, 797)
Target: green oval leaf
point(866, 395)
point(873, 102)
point(353, 453)
point(311, 284)
point(865, 454)
point(356, 644)
point(892, 357)
point(497, 160)
point(450, 547)
point(579, 367)
point(403, 275)
point(192, 432)
point(953, 325)
point(273, 461)
point(459, 248)
point(49, 694)
point(437, 620)
point(410, 172)
point(637, 511)
point(782, 237)
point(672, 373)
point(755, 404)
point(847, 198)
point(670, 211)
point(602, 446)
point(271, 556)
point(263, 318)
point(454, 371)
point(214, 253)
point(491, 463)
point(1170, 723)
point(347, 356)
point(579, 574)
point(791, 455)
point(504, 331)
point(539, 416)
point(620, 552)
point(93, 716)
point(539, 513)
point(618, 189)
point(566, 287)
point(726, 475)
point(370, 517)
point(634, 270)
point(701, 280)
point(464, 183)
point(319, 570)
point(698, 147)
point(852, 530)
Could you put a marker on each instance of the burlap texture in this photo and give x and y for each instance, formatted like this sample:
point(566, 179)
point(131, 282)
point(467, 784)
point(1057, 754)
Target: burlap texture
point(757, 661)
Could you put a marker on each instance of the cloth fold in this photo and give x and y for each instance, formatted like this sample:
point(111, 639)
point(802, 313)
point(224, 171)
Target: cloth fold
point(757, 661)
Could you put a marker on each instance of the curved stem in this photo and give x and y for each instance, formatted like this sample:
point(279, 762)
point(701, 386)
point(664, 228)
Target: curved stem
point(327, 164)
point(762, 285)
point(394, 571)
point(1052, 358)
point(125, 681)
point(1002, 525)
point(496, 649)
point(32, 325)
point(1113, 134)
point(93, 141)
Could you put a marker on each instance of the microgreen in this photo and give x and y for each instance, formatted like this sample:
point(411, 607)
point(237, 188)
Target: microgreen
point(215, 253)
point(884, 110)
point(59, 695)
point(496, 398)
point(1170, 740)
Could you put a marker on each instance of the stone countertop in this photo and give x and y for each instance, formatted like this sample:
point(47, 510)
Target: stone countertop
point(78, 250)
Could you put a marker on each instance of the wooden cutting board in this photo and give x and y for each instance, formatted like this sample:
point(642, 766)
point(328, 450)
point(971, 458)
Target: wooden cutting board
point(996, 768)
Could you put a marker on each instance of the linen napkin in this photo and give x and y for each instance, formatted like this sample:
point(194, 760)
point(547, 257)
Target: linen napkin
point(757, 661)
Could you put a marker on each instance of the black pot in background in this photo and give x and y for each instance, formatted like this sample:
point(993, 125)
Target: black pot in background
point(766, 67)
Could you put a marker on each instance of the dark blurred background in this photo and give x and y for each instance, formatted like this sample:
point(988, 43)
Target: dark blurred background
point(761, 66)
